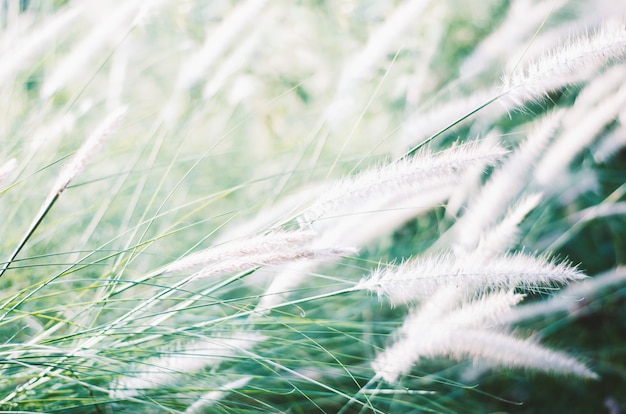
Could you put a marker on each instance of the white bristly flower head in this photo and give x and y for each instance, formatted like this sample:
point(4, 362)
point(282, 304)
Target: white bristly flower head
point(86, 151)
point(571, 63)
point(273, 248)
point(420, 277)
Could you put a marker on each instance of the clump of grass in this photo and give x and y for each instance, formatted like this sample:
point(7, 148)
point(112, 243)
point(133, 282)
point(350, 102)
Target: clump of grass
point(270, 169)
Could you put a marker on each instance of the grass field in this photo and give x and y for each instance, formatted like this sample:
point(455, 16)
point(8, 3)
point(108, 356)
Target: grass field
point(314, 206)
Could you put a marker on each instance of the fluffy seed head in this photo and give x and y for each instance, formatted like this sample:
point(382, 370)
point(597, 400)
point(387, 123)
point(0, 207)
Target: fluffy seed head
point(471, 274)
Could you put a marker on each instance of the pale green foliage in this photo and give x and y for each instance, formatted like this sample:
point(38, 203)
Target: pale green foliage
point(201, 201)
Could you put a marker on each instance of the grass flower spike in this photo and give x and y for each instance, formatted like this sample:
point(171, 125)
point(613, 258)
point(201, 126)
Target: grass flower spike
point(573, 62)
point(420, 277)
point(424, 171)
point(271, 249)
point(460, 333)
point(67, 174)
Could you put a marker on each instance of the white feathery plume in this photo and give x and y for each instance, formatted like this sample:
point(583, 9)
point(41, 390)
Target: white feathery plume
point(505, 350)
point(254, 245)
point(447, 307)
point(87, 149)
point(548, 37)
point(610, 144)
point(588, 15)
point(355, 229)
point(570, 63)
point(468, 332)
point(199, 355)
point(420, 277)
point(390, 196)
point(377, 217)
point(404, 192)
point(239, 264)
point(67, 174)
point(595, 92)
point(504, 235)
point(471, 181)
point(427, 330)
point(565, 65)
point(282, 283)
point(484, 312)
point(395, 201)
point(441, 303)
point(274, 248)
point(504, 185)
point(424, 170)
point(575, 138)
point(569, 299)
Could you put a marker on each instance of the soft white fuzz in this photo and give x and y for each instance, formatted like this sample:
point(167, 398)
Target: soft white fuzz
point(504, 350)
point(420, 277)
point(469, 330)
point(578, 136)
point(427, 328)
point(87, 150)
point(571, 299)
point(273, 248)
point(610, 145)
point(423, 171)
point(357, 210)
point(505, 234)
point(504, 185)
point(472, 180)
point(570, 63)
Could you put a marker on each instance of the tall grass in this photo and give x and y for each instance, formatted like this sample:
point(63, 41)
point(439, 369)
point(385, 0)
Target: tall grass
point(250, 206)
